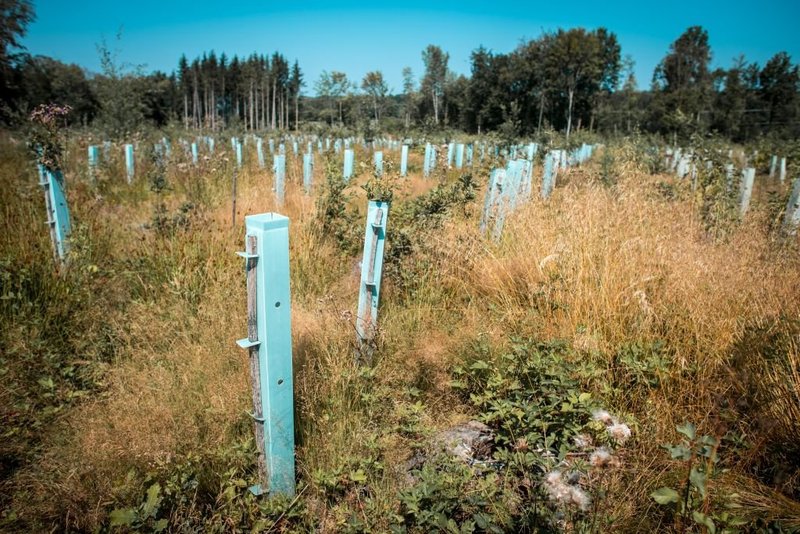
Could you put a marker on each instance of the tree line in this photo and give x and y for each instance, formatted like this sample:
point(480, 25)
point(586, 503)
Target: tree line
point(566, 80)
point(259, 92)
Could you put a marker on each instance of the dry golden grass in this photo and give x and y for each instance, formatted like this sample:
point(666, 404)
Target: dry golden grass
point(623, 264)
point(605, 267)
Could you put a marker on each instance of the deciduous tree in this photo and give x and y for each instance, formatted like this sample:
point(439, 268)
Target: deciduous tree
point(433, 82)
point(374, 85)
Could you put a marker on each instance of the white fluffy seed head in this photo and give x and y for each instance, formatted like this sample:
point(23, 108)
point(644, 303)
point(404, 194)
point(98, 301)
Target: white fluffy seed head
point(553, 477)
point(582, 441)
point(603, 416)
point(619, 432)
point(564, 493)
point(601, 458)
point(579, 498)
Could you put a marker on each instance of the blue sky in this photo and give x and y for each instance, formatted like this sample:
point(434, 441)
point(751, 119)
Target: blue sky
point(357, 37)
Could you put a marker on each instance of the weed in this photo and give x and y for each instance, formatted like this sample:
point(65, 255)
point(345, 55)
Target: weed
point(692, 497)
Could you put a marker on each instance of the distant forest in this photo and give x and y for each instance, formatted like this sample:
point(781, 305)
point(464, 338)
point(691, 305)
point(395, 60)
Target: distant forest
point(567, 80)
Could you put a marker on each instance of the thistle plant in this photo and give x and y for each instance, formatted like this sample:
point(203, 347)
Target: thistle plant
point(46, 139)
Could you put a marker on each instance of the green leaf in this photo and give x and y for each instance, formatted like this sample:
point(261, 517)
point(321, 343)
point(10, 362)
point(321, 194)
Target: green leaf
point(708, 452)
point(583, 397)
point(46, 383)
point(702, 519)
point(687, 429)
point(480, 364)
point(122, 517)
point(153, 500)
point(711, 441)
point(229, 493)
point(679, 452)
point(481, 520)
point(698, 479)
point(358, 476)
point(665, 495)
point(160, 525)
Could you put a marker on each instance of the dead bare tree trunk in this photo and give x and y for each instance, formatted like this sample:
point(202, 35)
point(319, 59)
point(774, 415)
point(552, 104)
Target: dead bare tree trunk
point(569, 111)
point(541, 113)
point(233, 198)
point(195, 104)
point(274, 90)
point(252, 101)
point(213, 110)
point(286, 105)
point(296, 112)
point(264, 87)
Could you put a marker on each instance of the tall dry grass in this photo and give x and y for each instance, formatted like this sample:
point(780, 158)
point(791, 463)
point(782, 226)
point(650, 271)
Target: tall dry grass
point(609, 267)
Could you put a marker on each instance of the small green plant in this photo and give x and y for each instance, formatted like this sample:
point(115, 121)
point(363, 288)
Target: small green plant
point(351, 476)
point(640, 367)
point(411, 253)
point(337, 482)
point(689, 498)
point(409, 418)
point(716, 189)
point(157, 175)
point(532, 400)
point(164, 222)
point(381, 186)
point(157, 179)
point(544, 466)
point(195, 491)
point(608, 168)
point(143, 517)
point(334, 220)
point(454, 498)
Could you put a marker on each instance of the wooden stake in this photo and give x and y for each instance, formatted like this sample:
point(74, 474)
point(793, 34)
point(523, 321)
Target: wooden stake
point(255, 367)
point(233, 200)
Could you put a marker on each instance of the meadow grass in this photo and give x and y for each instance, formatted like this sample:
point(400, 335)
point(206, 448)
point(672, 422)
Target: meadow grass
point(121, 371)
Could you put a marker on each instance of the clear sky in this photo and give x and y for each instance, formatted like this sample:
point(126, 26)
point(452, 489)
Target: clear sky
point(356, 37)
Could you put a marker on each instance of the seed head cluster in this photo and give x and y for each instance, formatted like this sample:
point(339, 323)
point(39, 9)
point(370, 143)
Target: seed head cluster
point(566, 490)
point(619, 432)
point(563, 492)
point(583, 441)
point(602, 458)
